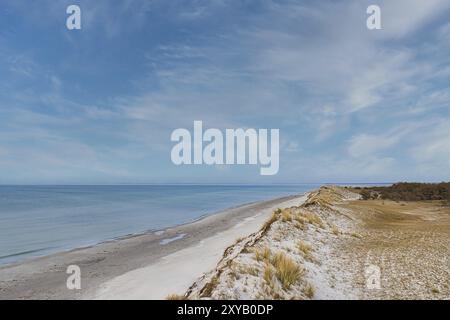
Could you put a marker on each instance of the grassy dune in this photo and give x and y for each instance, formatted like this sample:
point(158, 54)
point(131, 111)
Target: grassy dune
point(323, 248)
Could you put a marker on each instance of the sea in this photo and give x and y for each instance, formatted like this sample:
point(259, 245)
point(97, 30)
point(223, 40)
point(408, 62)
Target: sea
point(41, 220)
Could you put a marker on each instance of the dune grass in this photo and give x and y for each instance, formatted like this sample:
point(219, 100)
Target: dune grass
point(305, 249)
point(286, 270)
point(262, 254)
point(268, 275)
point(314, 219)
point(309, 291)
point(286, 215)
point(335, 230)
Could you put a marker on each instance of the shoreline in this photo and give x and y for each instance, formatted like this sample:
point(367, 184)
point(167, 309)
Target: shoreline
point(131, 235)
point(103, 263)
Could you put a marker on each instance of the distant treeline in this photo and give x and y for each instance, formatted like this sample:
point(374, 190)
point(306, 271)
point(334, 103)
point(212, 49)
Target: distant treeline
point(407, 192)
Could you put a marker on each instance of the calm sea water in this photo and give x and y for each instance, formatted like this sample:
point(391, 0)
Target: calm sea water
point(39, 220)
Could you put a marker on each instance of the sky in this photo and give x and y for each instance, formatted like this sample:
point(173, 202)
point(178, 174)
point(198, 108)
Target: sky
point(98, 105)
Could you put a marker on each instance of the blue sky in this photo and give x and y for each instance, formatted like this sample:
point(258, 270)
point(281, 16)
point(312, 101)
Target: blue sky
point(98, 105)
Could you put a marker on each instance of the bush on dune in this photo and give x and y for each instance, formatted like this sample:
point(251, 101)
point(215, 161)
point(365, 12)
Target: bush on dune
point(408, 192)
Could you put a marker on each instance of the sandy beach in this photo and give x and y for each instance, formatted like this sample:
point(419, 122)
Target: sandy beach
point(147, 266)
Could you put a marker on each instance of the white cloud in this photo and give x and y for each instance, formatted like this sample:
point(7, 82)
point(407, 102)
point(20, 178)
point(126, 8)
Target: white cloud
point(433, 145)
point(402, 17)
point(364, 145)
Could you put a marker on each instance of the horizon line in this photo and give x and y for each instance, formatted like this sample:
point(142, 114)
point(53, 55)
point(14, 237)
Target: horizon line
point(211, 184)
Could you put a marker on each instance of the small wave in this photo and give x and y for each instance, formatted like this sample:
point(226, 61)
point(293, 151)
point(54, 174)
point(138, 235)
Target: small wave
point(24, 253)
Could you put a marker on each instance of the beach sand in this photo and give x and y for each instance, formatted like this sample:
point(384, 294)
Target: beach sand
point(147, 266)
